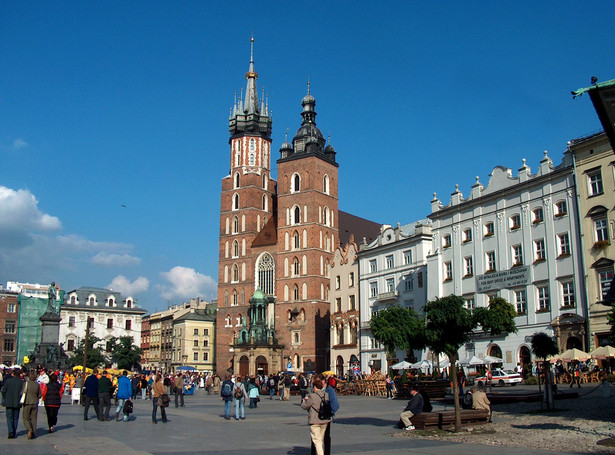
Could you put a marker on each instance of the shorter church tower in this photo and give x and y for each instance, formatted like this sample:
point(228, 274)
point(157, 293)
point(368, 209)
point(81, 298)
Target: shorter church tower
point(308, 236)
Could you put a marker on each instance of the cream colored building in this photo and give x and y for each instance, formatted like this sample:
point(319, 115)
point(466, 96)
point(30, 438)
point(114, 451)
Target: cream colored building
point(194, 333)
point(344, 299)
point(595, 177)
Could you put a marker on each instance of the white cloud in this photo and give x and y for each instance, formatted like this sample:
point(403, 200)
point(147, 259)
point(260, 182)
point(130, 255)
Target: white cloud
point(19, 143)
point(19, 212)
point(185, 283)
point(122, 284)
point(115, 260)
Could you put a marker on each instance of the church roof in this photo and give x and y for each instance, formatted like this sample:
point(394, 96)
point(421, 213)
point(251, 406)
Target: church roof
point(358, 227)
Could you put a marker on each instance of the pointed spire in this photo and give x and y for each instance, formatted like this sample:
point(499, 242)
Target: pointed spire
point(251, 103)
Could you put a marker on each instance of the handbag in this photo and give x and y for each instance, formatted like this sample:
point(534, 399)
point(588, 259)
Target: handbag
point(164, 400)
point(22, 400)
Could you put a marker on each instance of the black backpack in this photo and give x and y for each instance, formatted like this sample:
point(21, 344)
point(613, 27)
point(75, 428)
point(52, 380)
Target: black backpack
point(325, 412)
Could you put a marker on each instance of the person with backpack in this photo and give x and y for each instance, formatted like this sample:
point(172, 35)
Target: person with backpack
point(239, 398)
point(124, 392)
point(272, 386)
point(303, 385)
point(318, 405)
point(334, 408)
point(226, 394)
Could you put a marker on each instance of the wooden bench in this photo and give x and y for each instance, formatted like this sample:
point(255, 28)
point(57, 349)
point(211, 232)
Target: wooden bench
point(446, 419)
point(468, 417)
point(426, 421)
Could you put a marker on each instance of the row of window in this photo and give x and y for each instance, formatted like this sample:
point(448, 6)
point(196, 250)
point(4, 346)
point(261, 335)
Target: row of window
point(389, 261)
point(338, 280)
point(539, 255)
point(92, 301)
point(264, 202)
point(408, 281)
point(110, 323)
point(251, 152)
point(236, 181)
point(352, 306)
point(340, 335)
point(293, 215)
point(295, 183)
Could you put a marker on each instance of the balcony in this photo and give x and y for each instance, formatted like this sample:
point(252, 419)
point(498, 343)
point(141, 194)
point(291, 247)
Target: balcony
point(387, 296)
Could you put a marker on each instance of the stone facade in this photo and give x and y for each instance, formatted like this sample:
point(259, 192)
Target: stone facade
point(344, 301)
point(516, 238)
point(392, 272)
point(9, 316)
point(595, 175)
point(109, 315)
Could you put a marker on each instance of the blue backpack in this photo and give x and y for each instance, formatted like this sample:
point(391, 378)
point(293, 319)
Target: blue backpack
point(227, 389)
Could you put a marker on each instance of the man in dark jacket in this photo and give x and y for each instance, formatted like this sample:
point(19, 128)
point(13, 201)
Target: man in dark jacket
point(415, 407)
point(104, 396)
point(91, 394)
point(11, 394)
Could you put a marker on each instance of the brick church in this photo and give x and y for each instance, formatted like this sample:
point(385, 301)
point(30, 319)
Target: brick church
point(278, 237)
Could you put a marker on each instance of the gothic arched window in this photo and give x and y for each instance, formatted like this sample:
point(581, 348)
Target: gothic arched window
point(235, 248)
point(325, 184)
point(235, 225)
point(235, 201)
point(295, 184)
point(235, 273)
point(296, 215)
point(265, 274)
point(236, 182)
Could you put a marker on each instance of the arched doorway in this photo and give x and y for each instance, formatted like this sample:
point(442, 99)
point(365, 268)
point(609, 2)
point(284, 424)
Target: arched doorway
point(525, 358)
point(244, 366)
point(495, 351)
point(262, 366)
point(339, 366)
point(574, 343)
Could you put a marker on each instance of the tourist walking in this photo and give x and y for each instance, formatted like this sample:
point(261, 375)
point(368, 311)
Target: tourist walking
point(124, 392)
point(414, 407)
point(160, 399)
point(12, 388)
point(253, 393)
point(335, 405)
point(52, 397)
point(104, 397)
point(91, 394)
point(32, 394)
point(209, 384)
point(272, 386)
point(576, 376)
point(178, 389)
point(303, 385)
point(226, 394)
point(239, 398)
point(312, 403)
point(143, 385)
point(389, 387)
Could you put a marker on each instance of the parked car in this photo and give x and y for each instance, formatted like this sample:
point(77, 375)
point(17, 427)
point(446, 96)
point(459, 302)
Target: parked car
point(502, 377)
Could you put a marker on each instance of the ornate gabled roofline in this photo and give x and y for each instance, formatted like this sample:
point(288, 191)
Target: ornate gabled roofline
point(501, 180)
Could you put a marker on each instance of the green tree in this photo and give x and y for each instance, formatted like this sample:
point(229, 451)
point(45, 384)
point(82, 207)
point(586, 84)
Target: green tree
point(448, 324)
point(544, 346)
point(498, 318)
point(96, 355)
point(398, 328)
point(125, 353)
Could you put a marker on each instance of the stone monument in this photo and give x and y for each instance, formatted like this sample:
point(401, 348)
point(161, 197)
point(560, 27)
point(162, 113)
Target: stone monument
point(49, 353)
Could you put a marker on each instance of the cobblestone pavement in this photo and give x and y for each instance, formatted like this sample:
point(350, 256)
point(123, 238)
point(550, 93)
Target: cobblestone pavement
point(363, 425)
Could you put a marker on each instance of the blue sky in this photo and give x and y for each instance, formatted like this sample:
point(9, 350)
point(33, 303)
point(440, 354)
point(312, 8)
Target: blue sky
point(106, 104)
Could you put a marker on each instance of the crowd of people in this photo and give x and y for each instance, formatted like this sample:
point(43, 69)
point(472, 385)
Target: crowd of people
point(103, 390)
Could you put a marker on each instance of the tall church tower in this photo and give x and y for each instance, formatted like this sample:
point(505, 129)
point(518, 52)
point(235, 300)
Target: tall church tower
point(307, 236)
point(247, 205)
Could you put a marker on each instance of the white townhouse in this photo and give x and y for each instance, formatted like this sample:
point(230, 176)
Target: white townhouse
point(107, 313)
point(516, 238)
point(392, 271)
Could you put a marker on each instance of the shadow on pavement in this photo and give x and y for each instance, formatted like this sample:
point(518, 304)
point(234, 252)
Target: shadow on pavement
point(545, 426)
point(62, 427)
point(299, 451)
point(365, 421)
